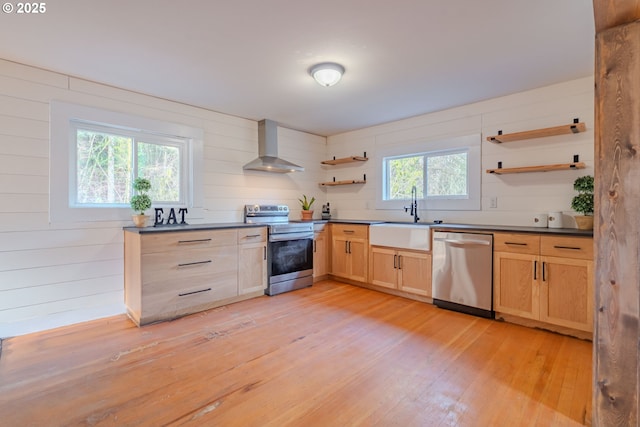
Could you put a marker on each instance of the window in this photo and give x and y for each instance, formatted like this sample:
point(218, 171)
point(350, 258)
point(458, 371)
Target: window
point(107, 160)
point(95, 155)
point(433, 175)
point(444, 173)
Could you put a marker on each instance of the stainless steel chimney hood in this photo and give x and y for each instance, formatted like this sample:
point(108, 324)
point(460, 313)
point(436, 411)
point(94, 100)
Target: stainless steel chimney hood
point(268, 160)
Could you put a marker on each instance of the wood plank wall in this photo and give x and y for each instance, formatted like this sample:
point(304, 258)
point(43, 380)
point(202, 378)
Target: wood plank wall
point(616, 372)
point(62, 273)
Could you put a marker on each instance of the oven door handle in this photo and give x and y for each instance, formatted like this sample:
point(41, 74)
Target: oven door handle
point(290, 236)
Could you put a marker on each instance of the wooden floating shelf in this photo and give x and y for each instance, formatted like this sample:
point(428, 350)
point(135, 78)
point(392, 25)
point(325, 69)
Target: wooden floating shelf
point(538, 133)
point(541, 168)
point(345, 182)
point(345, 160)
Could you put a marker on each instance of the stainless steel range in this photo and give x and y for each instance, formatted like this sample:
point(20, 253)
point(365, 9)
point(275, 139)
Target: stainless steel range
point(289, 248)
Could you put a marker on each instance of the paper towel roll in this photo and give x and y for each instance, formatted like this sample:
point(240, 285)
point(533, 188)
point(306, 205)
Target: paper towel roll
point(555, 219)
point(541, 220)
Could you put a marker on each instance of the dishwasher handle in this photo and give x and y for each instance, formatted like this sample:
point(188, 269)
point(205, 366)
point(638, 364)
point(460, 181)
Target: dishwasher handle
point(463, 242)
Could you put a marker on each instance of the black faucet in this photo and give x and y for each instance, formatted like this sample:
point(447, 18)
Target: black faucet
point(414, 204)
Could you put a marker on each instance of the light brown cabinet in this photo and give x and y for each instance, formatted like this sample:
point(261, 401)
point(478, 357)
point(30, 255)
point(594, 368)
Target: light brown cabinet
point(545, 278)
point(408, 271)
point(320, 251)
point(349, 251)
point(169, 274)
point(252, 260)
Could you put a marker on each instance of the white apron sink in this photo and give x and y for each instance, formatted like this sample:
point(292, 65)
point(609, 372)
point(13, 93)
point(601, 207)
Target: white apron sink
point(405, 236)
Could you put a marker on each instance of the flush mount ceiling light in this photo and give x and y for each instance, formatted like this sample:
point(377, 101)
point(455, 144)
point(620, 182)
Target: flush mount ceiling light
point(327, 73)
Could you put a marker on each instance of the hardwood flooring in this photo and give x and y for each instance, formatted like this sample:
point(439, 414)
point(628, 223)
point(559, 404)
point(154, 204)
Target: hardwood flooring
point(329, 355)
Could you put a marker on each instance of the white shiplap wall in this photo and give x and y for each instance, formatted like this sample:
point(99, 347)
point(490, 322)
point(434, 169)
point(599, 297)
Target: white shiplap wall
point(519, 196)
point(57, 274)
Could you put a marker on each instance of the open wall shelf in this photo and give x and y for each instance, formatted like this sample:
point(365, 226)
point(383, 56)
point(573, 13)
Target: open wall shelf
point(343, 160)
point(541, 168)
point(575, 127)
point(346, 160)
point(344, 182)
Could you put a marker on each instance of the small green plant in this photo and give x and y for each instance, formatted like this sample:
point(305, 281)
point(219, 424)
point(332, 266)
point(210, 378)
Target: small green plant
point(141, 201)
point(583, 202)
point(306, 204)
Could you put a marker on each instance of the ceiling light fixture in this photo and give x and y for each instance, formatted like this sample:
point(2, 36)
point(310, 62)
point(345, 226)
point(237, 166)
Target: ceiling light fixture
point(327, 74)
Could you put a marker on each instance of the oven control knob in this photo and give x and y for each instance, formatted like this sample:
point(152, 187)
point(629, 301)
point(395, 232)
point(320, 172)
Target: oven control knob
point(256, 208)
point(250, 208)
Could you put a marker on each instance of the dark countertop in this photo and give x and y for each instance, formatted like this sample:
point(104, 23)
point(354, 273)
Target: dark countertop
point(512, 229)
point(476, 227)
point(444, 226)
point(190, 227)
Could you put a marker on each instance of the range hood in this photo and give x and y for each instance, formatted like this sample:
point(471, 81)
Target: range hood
point(268, 160)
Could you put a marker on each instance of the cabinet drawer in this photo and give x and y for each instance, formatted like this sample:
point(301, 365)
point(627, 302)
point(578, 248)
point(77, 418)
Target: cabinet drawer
point(185, 266)
point(516, 243)
point(252, 235)
point(183, 240)
point(567, 247)
point(350, 231)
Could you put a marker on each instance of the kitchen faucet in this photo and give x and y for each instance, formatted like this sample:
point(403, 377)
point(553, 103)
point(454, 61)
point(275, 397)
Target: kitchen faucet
point(414, 204)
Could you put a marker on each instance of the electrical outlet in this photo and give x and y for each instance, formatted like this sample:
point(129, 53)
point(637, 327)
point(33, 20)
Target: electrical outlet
point(493, 202)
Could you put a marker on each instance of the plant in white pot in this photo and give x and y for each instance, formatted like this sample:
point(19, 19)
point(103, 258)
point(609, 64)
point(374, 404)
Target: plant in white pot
point(307, 213)
point(583, 202)
point(141, 201)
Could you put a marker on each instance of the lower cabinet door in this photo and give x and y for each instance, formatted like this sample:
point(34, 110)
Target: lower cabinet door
point(515, 284)
point(252, 274)
point(383, 267)
point(567, 293)
point(414, 272)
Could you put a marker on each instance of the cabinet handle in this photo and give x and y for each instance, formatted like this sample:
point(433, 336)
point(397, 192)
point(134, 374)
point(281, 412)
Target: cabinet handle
point(544, 273)
point(194, 263)
point(399, 262)
point(251, 235)
point(315, 249)
point(535, 270)
point(265, 253)
point(194, 292)
point(395, 258)
point(348, 231)
point(349, 246)
point(567, 247)
point(346, 246)
point(515, 243)
point(193, 241)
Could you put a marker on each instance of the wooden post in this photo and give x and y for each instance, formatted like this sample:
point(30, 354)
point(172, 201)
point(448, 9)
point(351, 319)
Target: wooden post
point(617, 229)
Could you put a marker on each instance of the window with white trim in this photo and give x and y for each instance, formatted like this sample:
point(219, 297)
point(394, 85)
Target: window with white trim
point(445, 174)
point(107, 160)
point(96, 155)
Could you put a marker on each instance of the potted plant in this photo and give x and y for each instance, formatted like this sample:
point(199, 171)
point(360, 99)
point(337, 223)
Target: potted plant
point(583, 202)
point(307, 213)
point(141, 201)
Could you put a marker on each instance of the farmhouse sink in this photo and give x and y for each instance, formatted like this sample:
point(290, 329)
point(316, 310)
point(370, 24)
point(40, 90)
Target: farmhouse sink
point(401, 235)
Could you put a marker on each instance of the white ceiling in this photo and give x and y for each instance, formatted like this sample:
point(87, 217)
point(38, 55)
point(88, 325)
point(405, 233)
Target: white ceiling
point(250, 58)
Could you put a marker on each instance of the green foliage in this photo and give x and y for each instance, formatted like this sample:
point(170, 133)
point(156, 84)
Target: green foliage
point(105, 166)
point(141, 201)
point(306, 205)
point(142, 185)
point(583, 203)
point(583, 184)
point(446, 175)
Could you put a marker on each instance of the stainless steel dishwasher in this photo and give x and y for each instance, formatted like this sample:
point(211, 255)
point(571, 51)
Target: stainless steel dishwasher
point(462, 277)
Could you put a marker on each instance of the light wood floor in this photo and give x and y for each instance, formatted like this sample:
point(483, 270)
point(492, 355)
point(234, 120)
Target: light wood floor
point(330, 355)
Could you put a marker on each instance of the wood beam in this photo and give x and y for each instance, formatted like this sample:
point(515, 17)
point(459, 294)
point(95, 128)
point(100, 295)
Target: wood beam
point(617, 230)
point(611, 13)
